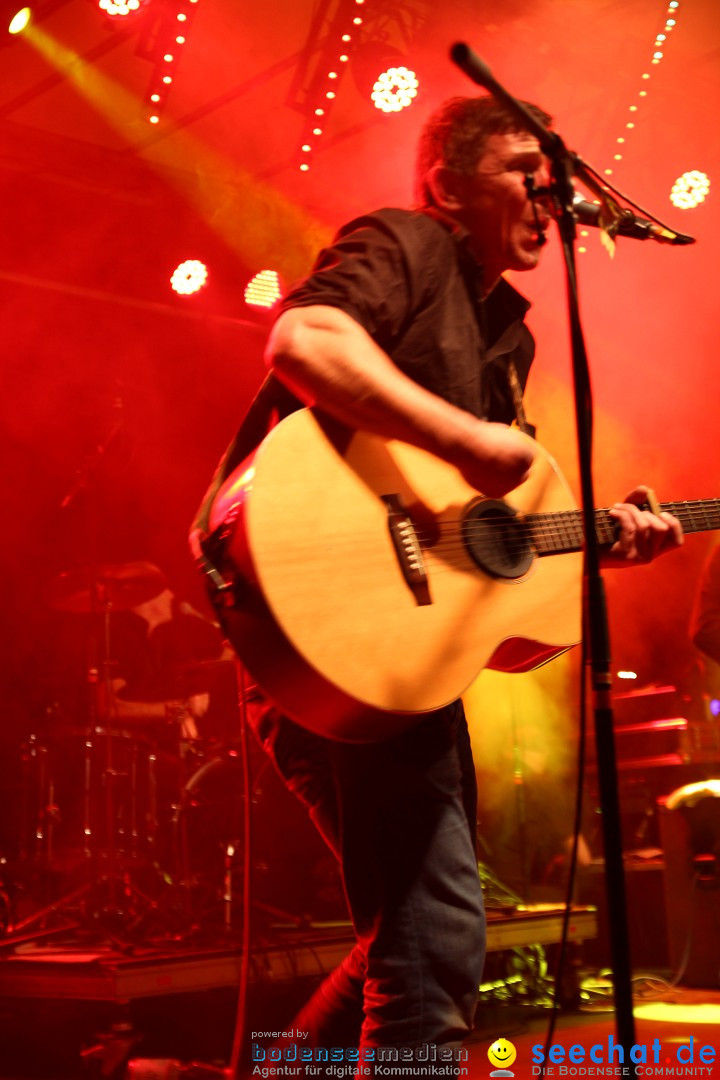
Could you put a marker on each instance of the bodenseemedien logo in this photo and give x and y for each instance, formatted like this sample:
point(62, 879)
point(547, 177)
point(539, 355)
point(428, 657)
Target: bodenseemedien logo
point(502, 1054)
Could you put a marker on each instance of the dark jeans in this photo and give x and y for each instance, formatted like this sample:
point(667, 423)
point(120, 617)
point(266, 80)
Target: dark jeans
point(400, 816)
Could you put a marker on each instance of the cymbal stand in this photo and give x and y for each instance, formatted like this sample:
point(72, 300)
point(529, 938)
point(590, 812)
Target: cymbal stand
point(87, 482)
point(109, 774)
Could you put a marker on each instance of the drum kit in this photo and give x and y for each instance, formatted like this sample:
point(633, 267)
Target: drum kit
point(138, 828)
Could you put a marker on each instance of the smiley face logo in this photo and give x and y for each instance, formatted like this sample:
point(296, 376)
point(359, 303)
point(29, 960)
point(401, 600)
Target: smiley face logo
point(502, 1054)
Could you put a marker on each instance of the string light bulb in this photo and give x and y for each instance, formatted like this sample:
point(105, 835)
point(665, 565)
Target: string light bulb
point(167, 50)
point(660, 41)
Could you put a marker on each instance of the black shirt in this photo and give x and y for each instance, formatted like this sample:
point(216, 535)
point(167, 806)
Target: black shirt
point(162, 663)
point(409, 278)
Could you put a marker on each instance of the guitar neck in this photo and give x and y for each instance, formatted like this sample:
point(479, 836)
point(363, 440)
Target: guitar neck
point(563, 532)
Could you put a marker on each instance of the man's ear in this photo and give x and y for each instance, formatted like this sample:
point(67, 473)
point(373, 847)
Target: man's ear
point(447, 188)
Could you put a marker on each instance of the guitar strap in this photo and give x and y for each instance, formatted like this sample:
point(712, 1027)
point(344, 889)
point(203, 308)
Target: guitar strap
point(517, 396)
point(272, 402)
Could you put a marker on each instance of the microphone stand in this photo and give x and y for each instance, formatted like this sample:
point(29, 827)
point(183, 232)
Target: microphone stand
point(565, 164)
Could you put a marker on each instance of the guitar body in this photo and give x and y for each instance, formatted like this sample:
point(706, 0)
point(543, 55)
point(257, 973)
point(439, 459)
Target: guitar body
point(328, 619)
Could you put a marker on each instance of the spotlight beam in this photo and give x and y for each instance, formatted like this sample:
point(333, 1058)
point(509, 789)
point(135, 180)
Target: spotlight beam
point(60, 76)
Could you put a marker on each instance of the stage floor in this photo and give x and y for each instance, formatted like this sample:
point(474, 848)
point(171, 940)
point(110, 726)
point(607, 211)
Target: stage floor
point(70, 1009)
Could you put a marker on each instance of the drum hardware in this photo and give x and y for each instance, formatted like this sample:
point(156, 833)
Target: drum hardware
point(148, 823)
point(92, 803)
point(68, 840)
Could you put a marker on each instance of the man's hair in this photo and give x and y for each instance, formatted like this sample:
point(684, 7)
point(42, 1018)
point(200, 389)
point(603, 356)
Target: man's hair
point(455, 136)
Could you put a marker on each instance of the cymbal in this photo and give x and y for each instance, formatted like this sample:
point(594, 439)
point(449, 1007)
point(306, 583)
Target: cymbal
point(116, 585)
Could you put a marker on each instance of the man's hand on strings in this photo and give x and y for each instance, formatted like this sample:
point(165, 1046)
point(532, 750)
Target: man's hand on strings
point(642, 535)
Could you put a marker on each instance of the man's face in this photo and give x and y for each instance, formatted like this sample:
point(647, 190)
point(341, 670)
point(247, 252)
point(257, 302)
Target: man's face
point(495, 207)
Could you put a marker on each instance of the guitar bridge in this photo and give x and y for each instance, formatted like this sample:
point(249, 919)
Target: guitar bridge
point(407, 548)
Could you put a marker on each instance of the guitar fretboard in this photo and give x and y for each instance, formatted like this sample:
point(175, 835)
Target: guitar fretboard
point(563, 531)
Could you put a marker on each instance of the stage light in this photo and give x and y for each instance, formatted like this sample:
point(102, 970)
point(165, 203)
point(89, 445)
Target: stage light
point(690, 189)
point(263, 290)
point(189, 277)
point(657, 56)
point(17, 18)
point(381, 71)
point(395, 89)
point(121, 8)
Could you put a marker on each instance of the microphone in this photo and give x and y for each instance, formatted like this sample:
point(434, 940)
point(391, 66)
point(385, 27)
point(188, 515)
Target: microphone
point(625, 223)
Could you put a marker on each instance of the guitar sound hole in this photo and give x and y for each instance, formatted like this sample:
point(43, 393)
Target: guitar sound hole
point(497, 539)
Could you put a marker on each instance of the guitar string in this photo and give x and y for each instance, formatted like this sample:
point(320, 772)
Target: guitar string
point(557, 532)
point(542, 531)
point(566, 526)
point(542, 535)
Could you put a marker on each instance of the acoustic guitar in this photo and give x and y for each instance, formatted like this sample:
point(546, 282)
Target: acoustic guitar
point(373, 584)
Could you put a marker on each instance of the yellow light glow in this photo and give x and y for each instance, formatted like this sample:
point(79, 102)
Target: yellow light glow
point(679, 1014)
point(250, 236)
